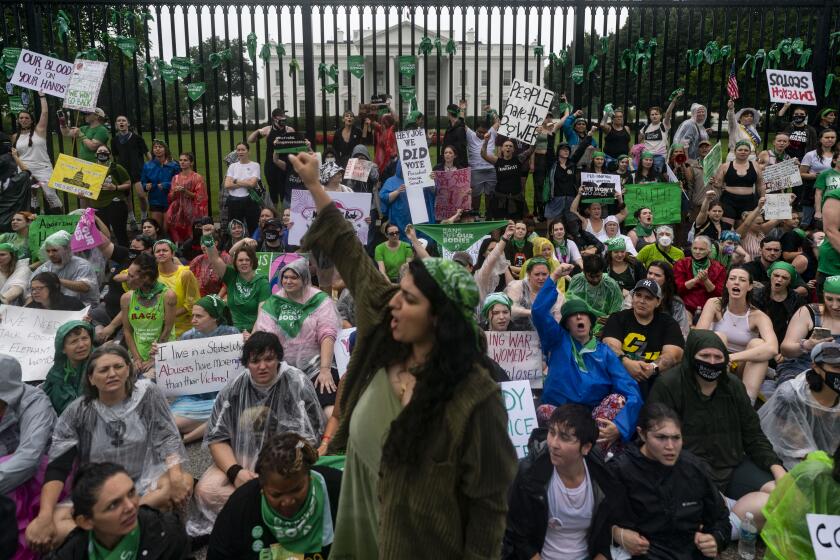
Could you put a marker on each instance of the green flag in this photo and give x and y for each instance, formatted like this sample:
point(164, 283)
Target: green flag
point(182, 66)
point(408, 66)
point(408, 93)
point(662, 198)
point(127, 45)
point(15, 104)
point(357, 65)
point(168, 73)
point(458, 237)
point(711, 163)
point(195, 90)
point(10, 58)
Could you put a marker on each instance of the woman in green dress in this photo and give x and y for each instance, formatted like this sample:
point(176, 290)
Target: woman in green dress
point(429, 461)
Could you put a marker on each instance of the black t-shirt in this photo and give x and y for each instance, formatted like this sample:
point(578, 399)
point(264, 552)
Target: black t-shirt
point(118, 262)
point(643, 342)
point(516, 256)
point(131, 154)
point(63, 303)
point(792, 241)
point(509, 176)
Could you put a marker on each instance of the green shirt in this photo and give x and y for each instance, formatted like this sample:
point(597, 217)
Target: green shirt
point(244, 297)
point(828, 180)
point(829, 258)
point(393, 259)
point(91, 133)
point(117, 175)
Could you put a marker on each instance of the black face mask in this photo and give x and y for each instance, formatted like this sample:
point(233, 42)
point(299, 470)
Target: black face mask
point(709, 372)
point(271, 236)
point(102, 158)
point(798, 119)
point(132, 254)
point(832, 379)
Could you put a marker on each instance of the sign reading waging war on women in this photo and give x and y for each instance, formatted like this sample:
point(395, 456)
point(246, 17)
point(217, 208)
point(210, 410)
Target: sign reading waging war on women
point(526, 108)
point(517, 352)
point(192, 367)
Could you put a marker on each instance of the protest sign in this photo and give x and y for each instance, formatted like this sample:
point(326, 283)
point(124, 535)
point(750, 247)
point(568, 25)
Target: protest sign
point(45, 225)
point(83, 89)
point(452, 192)
point(711, 163)
point(280, 261)
point(87, 235)
point(202, 365)
point(290, 143)
point(825, 535)
point(358, 170)
point(42, 73)
point(787, 86)
point(28, 335)
point(518, 352)
point(77, 176)
point(522, 417)
point(264, 260)
point(342, 350)
point(413, 150)
point(782, 176)
point(526, 108)
point(354, 206)
point(662, 198)
point(458, 237)
point(777, 206)
point(599, 187)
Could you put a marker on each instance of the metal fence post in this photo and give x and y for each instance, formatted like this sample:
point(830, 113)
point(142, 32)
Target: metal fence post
point(308, 69)
point(821, 54)
point(580, 29)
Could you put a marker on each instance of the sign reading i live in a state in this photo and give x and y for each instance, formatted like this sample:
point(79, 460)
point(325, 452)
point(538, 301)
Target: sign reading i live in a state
point(42, 73)
point(782, 176)
point(522, 417)
point(77, 176)
point(526, 108)
point(518, 352)
point(787, 86)
point(203, 365)
point(825, 535)
point(83, 89)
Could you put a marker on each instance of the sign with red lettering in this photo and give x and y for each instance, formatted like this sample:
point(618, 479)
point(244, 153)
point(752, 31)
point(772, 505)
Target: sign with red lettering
point(518, 352)
point(787, 86)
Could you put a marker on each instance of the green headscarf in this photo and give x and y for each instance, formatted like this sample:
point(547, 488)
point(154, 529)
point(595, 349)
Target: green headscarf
point(169, 242)
point(832, 284)
point(64, 382)
point(493, 299)
point(599, 154)
point(746, 143)
point(647, 155)
point(216, 308)
point(621, 157)
point(616, 244)
point(9, 248)
point(457, 284)
point(787, 267)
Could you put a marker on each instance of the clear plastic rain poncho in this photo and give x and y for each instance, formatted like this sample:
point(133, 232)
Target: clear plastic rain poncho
point(138, 433)
point(796, 424)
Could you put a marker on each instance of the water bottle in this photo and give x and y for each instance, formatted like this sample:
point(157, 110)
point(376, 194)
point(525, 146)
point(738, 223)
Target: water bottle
point(749, 534)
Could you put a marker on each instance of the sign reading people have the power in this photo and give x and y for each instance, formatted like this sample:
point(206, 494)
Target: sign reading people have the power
point(787, 86)
point(40, 72)
point(526, 109)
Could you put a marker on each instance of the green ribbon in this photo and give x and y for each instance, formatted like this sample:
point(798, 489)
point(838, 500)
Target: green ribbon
point(786, 46)
point(127, 45)
point(753, 59)
point(538, 51)
point(62, 24)
point(356, 65)
point(605, 44)
point(593, 64)
point(251, 41)
point(773, 58)
point(559, 59)
point(294, 67)
point(325, 71)
point(265, 53)
point(281, 50)
point(829, 81)
point(577, 74)
point(450, 47)
point(183, 66)
point(195, 90)
point(330, 88)
point(425, 46)
point(217, 58)
point(712, 52)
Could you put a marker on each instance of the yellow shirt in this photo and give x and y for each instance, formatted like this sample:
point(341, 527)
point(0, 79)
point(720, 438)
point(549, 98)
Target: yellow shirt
point(185, 285)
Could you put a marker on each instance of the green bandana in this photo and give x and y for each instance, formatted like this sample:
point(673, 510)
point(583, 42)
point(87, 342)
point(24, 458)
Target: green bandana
point(648, 155)
point(697, 266)
point(599, 154)
point(126, 549)
point(832, 285)
point(787, 267)
point(740, 143)
point(290, 315)
point(578, 353)
point(303, 533)
point(800, 232)
point(561, 246)
point(172, 246)
point(643, 230)
point(493, 299)
point(9, 248)
point(616, 244)
point(155, 290)
point(456, 283)
point(459, 237)
point(215, 307)
point(622, 157)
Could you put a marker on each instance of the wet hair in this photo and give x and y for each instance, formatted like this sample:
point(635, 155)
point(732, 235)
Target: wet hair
point(51, 281)
point(286, 454)
point(108, 349)
point(724, 298)
point(579, 419)
point(669, 288)
point(248, 250)
point(166, 151)
point(707, 240)
point(653, 108)
point(638, 212)
point(593, 264)
point(655, 413)
point(147, 265)
point(261, 343)
point(88, 482)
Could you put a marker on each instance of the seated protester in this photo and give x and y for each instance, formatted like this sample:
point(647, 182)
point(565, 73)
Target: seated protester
point(647, 172)
point(26, 424)
point(523, 292)
point(622, 267)
point(802, 335)
point(646, 340)
point(771, 251)
point(803, 415)
point(587, 243)
point(46, 293)
point(719, 423)
point(613, 231)
point(178, 278)
point(116, 420)
point(14, 276)
point(672, 508)
point(709, 221)
point(565, 250)
point(591, 218)
point(728, 250)
point(813, 486)
point(190, 248)
point(600, 292)
point(288, 511)
point(210, 317)
point(111, 522)
point(77, 277)
point(235, 233)
point(544, 249)
point(698, 276)
point(662, 250)
point(795, 246)
point(495, 312)
point(491, 268)
point(581, 369)
point(73, 345)
point(148, 312)
point(275, 237)
point(670, 304)
point(643, 234)
point(778, 300)
point(209, 283)
point(747, 332)
point(519, 249)
point(390, 255)
point(271, 397)
point(560, 504)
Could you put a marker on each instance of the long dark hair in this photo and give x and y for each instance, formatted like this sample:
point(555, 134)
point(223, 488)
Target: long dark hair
point(669, 289)
point(724, 298)
point(654, 413)
point(31, 127)
point(52, 283)
point(438, 379)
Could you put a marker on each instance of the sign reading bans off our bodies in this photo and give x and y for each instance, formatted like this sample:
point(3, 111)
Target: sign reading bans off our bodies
point(193, 367)
point(787, 86)
point(526, 108)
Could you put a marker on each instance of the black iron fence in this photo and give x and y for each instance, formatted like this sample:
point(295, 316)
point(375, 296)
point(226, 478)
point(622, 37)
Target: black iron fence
point(317, 60)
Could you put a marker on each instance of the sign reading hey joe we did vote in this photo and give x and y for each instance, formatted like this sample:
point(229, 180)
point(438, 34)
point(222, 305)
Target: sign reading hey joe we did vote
point(192, 367)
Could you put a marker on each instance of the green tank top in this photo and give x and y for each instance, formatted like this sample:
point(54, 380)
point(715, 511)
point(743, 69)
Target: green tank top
point(146, 322)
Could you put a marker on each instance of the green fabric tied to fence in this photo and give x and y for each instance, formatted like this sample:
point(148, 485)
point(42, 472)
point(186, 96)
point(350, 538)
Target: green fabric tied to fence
point(450, 47)
point(90, 54)
point(183, 66)
point(62, 25)
point(605, 44)
point(294, 67)
point(593, 64)
point(356, 65)
point(251, 43)
point(408, 66)
point(217, 58)
point(10, 58)
point(195, 90)
point(168, 73)
point(127, 45)
point(265, 53)
point(577, 74)
point(538, 50)
point(662, 198)
point(425, 46)
point(15, 104)
point(407, 93)
point(280, 50)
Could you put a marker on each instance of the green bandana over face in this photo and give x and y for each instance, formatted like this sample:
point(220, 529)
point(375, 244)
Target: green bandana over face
point(458, 237)
point(126, 549)
point(289, 314)
point(304, 533)
point(456, 283)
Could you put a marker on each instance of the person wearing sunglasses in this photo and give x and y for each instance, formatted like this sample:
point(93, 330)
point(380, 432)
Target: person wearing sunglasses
point(390, 255)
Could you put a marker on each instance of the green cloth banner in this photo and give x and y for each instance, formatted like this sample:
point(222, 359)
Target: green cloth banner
point(127, 45)
point(46, 225)
point(10, 58)
point(195, 90)
point(711, 163)
point(662, 198)
point(408, 65)
point(182, 65)
point(168, 73)
point(458, 237)
point(356, 65)
point(408, 93)
point(16, 104)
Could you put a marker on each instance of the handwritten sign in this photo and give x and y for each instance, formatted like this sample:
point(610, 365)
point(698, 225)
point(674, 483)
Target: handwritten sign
point(264, 260)
point(711, 163)
point(341, 350)
point(518, 352)
point(83, 88)
point(787, 86)
point(599, 187)
point(45, 225)
point(662, 198)
point(42, 73)
point(453, 192)
point(78, 176)
point(526, 109)
point(825, 535)
point(522, 417)
point(777, 207)
point(354, 206)
point(357, 170)
point(87, 235)
point(203, 365)
point(417, 171)
point(782, 176)
point(28, 335)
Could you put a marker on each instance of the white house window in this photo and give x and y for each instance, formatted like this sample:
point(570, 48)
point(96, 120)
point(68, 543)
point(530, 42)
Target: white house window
point(301, 107)
point(506, 77)
point(484, 78)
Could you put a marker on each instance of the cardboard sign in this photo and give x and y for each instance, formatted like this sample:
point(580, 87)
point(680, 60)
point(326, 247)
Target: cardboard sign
point(78, 176)
point(526, 108)
point(662, 198)
point(711, 163)
point(28, 335)
point(453, 192)
point(413, 152)
point(45, 225)
point(358, 170)
point(825, 535)
point(354, 206)
point(292, 143)
point(522, 417)
point(264, 260)
point(87, 235)
point(787, 86)
point(777, 207)
point(83, 89)
point(782, 176)
point(599, 187)
point(342, 350)
point(203, 365)
point(42, 73)
point(518, 352)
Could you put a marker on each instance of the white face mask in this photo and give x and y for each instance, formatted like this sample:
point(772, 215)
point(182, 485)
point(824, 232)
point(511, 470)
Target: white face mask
point(665, 241)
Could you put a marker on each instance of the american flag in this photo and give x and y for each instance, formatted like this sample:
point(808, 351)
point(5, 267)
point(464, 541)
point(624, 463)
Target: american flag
point(732, 84)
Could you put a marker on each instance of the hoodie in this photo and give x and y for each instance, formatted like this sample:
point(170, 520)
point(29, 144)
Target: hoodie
point(398, 212)
point(361, 152)
point(64, 382)
point(691, 132)
point(25, 427)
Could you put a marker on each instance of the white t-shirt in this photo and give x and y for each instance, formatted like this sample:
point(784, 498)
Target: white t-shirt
point(240, 171)
point(474, 144)
point(569, 517)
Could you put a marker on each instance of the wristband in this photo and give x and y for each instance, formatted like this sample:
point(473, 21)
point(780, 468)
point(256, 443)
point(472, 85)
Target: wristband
point(325, 437)
point(232, 472)
point(506, 239)
point(208, 241)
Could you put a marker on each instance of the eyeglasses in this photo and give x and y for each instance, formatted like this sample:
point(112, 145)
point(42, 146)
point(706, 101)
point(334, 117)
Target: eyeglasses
point(393, 233)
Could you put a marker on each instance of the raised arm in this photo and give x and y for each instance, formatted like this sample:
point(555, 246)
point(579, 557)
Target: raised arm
point(666, 118)
point(489, 158)
point(216, 263)
point(44, 119)
point(419, 250)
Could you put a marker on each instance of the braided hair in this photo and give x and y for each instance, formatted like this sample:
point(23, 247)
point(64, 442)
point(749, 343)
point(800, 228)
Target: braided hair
point(286, 454)
point(31, 127)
